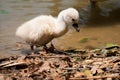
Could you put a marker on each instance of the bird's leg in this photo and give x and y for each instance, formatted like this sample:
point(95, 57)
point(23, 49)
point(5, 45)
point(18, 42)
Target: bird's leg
point(45, 48)
point(52, 47)
point(32, 49)
point(49, 49)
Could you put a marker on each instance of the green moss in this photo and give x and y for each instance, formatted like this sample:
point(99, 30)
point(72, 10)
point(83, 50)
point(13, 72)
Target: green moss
point(84, 40)
point(3, 12)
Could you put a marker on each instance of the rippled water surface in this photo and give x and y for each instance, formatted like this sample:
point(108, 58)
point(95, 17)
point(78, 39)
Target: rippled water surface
point(101, 23)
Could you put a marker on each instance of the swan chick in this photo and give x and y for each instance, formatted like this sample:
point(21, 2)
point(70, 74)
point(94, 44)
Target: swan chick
point(41, 30)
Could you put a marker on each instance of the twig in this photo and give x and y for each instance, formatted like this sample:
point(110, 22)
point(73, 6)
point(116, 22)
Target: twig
point(9, 58)
point(67, 73)
point(7, 63)
point(97, 77)
point(71, 68)
point(32, 56)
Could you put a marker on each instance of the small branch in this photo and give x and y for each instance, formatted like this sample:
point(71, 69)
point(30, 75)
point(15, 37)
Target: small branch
point(97, 77)
point(32, 56)
point(7, 63)
point(71, 68)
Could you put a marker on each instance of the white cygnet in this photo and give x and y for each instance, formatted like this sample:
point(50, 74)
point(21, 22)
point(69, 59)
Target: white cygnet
point(42, 29)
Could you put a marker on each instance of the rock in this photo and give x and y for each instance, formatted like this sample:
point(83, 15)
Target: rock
point(89, 61)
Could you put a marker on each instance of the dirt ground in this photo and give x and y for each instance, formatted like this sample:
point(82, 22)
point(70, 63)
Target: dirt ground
point(96, 64)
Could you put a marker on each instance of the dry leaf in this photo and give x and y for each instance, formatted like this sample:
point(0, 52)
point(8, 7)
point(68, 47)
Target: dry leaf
point(87, 72)
point(79, 74)
point(94, 69)
point(45, 67)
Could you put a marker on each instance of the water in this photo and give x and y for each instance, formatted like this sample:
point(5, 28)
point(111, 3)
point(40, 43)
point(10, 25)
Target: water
point(101, 24)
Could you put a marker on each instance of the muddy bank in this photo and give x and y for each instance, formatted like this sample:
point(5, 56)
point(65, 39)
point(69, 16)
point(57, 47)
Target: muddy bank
point(103, 64)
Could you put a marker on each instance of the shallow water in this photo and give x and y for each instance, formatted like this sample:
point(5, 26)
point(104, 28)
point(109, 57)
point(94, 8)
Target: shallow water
point(101, 24)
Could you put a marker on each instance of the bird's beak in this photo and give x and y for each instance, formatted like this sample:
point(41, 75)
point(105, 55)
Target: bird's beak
point(75, 25)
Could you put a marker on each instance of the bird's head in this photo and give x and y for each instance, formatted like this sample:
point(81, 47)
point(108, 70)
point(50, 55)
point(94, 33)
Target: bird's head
point(71, 17)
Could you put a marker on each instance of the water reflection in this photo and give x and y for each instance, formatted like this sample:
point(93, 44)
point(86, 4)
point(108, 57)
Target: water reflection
point(15, 12)
point(101, 13)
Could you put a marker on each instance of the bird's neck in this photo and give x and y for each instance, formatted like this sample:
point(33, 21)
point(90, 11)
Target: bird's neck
point(61, 27)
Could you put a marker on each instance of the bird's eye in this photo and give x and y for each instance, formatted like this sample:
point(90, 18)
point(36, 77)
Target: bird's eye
point(73, 19)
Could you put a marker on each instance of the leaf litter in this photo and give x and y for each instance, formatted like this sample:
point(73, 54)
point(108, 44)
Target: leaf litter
point(97, 64)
